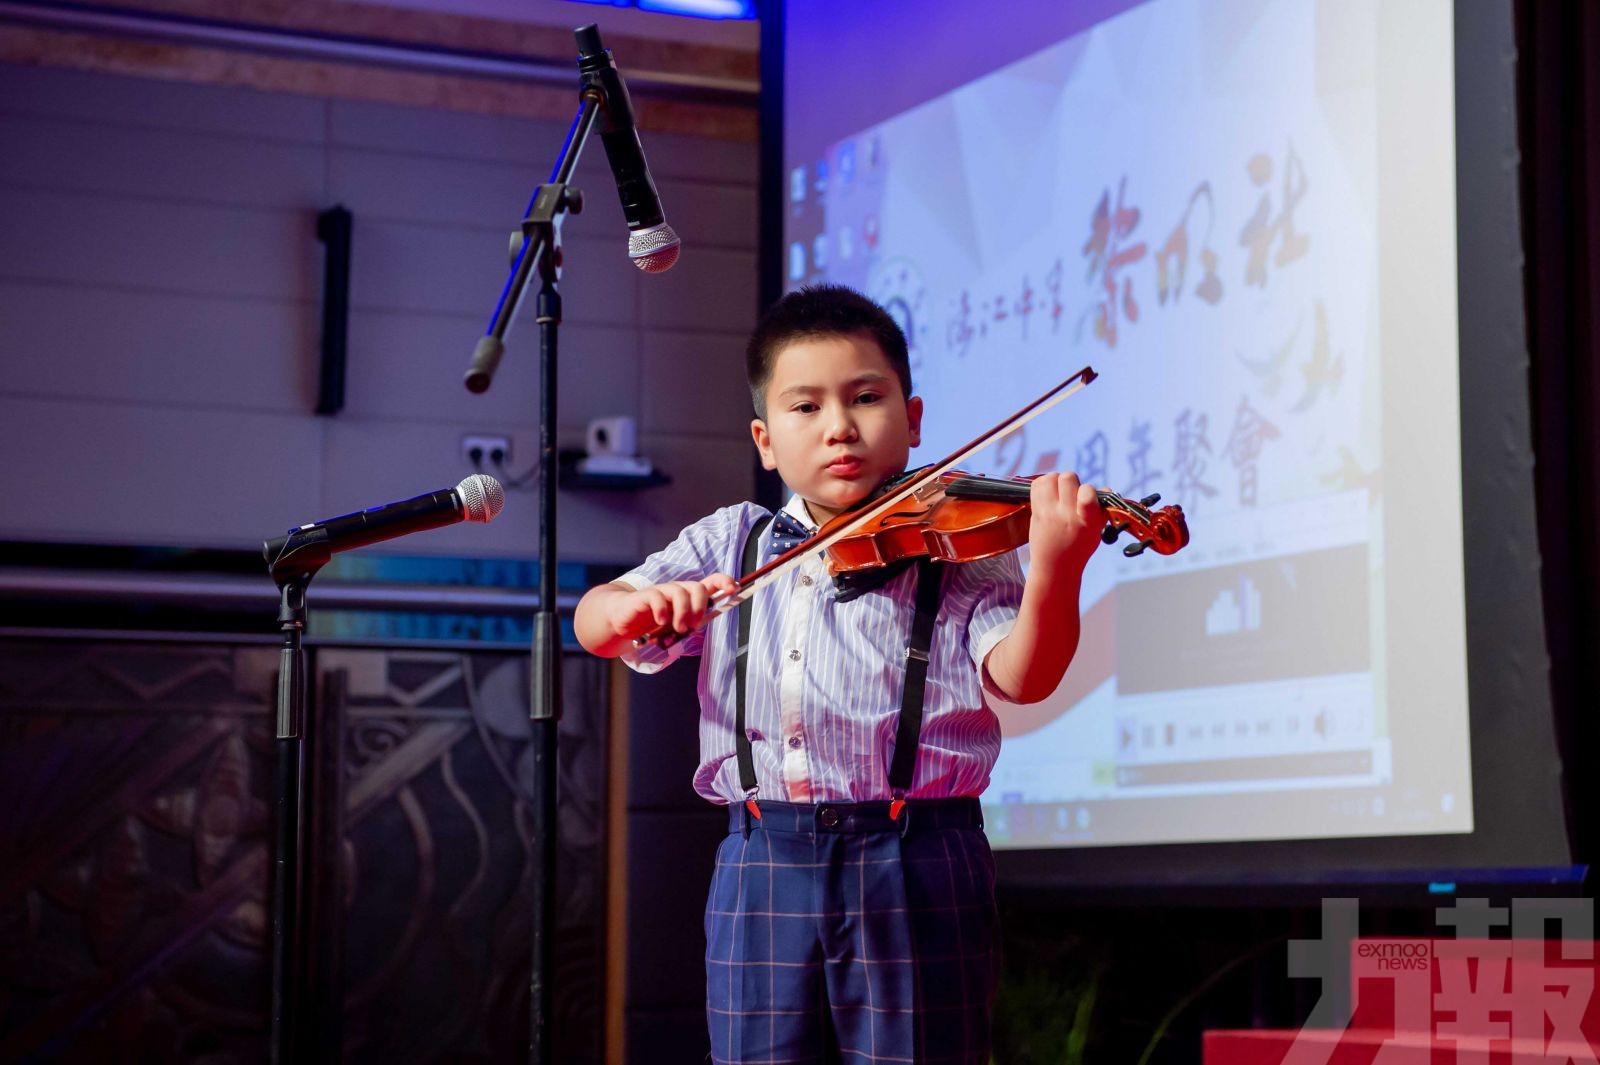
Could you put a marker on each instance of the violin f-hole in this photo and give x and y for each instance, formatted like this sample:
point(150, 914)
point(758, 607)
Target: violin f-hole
point(887, 518)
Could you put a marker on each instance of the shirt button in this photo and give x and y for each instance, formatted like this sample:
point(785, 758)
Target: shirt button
point(795, 741)
point(794, 656)
point(805, 579)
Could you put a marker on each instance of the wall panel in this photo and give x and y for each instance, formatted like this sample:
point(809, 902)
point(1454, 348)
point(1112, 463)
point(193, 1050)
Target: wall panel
point(161, 299)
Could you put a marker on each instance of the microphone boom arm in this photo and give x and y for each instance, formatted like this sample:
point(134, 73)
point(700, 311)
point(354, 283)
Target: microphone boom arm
point(539, 246)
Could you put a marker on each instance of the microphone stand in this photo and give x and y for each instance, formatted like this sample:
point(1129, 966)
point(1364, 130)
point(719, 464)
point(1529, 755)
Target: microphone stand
point(302, 556)
point(539, 249)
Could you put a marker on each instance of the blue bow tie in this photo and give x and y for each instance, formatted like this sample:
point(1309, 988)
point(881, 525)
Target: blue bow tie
point(786, 533)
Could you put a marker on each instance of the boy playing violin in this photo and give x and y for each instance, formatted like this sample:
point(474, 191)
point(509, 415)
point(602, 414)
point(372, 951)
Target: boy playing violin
point(852, 911)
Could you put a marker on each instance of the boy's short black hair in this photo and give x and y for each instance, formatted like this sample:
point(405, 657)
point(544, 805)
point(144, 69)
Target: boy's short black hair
point(821, 311)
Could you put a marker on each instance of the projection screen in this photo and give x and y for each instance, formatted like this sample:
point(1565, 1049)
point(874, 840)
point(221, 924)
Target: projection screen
point(1244, 217)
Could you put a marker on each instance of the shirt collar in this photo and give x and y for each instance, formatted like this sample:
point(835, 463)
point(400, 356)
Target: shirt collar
point(796, 509)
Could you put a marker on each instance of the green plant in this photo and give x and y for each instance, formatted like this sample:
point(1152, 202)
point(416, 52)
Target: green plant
point(1043, 1012)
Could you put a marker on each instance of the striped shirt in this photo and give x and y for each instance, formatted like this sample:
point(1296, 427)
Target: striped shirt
point(825, 678)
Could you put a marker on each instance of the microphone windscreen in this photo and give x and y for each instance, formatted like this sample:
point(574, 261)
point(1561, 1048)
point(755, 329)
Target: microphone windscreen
point(654, 248)
point(481, 497)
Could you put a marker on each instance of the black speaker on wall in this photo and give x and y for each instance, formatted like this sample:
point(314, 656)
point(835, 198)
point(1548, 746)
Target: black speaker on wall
point(333, 230)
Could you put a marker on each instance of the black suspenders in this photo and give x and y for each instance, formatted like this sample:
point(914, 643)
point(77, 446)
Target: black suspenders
point(747, 761)
point(908, 731)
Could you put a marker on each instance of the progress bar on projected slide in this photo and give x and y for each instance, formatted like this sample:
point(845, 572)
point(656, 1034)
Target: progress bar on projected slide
point(1313, 765)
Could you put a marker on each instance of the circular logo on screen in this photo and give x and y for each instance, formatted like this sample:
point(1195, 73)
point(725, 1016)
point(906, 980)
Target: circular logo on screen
point(897, 287)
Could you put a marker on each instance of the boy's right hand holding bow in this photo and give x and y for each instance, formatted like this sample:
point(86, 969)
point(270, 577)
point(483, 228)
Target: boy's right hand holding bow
point(611, 616)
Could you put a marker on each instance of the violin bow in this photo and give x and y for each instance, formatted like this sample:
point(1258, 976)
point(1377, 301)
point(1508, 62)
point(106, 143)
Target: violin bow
point(754, 581)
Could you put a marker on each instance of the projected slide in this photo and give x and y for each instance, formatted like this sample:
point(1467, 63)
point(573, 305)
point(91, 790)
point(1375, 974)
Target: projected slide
point(1242, 216)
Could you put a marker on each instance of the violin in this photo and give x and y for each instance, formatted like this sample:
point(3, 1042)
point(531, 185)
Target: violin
point(959, 517)
point(952, 516)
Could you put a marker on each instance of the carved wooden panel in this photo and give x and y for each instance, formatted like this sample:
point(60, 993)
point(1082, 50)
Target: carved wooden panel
point(136, 781)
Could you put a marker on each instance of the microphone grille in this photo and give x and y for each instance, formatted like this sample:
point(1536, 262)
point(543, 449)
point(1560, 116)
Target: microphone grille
point(481, 497)
point(654, 248)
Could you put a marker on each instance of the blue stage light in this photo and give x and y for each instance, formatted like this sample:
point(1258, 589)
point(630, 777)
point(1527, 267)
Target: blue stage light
point(720, 9)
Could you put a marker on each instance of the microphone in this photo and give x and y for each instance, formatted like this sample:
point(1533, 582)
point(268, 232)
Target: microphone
point(652, 244)
point(478, 498)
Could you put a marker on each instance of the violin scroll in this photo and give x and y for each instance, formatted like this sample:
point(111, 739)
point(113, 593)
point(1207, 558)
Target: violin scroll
point(1164, 530)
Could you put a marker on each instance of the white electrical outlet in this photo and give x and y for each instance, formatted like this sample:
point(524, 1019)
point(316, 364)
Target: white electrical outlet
point(486, 446)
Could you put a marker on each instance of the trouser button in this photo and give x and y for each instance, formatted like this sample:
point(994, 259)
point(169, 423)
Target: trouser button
point(829, 817)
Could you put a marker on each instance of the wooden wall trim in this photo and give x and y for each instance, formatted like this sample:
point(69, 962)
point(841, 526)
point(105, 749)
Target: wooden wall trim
point(649, 60)
point(616, 1041)
point(467, 33)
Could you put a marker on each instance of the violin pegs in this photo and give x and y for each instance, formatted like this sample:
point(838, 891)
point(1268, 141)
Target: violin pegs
point(1109, 534)
point(1133, 550)
point(1150, 500)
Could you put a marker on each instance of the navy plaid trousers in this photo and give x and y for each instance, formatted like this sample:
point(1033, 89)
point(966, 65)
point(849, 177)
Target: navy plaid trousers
point(833, 936)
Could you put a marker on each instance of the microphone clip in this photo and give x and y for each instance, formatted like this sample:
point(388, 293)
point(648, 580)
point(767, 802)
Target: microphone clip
point(542, 228)
point(600, 81)
point(296, 558)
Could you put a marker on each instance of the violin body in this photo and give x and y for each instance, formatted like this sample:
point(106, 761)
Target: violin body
point(934, 525)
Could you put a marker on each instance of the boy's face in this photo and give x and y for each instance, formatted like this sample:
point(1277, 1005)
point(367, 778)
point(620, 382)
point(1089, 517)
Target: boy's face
point(838, 423)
